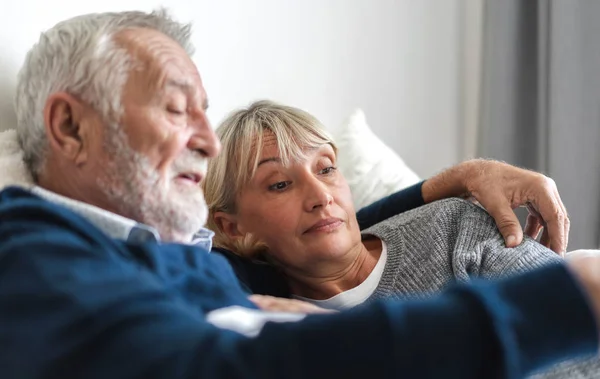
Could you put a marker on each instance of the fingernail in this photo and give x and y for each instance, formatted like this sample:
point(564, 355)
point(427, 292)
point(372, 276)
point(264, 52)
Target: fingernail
point(510, 241)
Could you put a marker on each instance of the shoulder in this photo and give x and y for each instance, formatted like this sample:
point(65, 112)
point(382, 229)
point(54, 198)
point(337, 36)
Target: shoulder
point(20, 205)
point(14, 199)
point(26, 218)
point(442, 212)
point(39, 239)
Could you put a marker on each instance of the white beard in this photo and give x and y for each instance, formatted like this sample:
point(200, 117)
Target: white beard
point(137, 190)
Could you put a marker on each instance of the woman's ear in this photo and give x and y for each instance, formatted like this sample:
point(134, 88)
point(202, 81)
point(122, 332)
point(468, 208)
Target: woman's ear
point(228, 224)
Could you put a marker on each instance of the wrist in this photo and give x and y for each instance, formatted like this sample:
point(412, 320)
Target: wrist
point(453, 182)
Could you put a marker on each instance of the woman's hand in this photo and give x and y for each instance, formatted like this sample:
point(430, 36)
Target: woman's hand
point(500, 188)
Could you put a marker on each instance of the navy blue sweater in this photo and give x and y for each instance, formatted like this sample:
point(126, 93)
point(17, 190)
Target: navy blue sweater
point(77, 304)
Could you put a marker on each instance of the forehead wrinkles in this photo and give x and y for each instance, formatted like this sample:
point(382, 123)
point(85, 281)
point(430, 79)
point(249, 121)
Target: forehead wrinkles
point(156, 55)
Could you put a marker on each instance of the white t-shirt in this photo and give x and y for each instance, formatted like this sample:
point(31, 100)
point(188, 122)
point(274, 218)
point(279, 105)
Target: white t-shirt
point(358, 294)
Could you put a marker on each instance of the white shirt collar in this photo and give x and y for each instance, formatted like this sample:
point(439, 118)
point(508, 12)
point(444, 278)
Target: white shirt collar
point(116, 226)
point(358, 294)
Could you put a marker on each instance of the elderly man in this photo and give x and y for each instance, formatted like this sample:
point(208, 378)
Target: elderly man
point(112, 121)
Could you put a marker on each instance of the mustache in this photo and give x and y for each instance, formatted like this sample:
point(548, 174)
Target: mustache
point(190, 162)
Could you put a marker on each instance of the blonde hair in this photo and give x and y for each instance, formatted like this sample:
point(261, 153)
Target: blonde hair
point(242, 134)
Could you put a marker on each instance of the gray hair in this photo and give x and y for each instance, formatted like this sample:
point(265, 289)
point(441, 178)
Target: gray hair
point(79, 56)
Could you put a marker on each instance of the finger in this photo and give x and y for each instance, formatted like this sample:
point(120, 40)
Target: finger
point(264, 302)
point(300, 306)
point(505, 218)
point(311, 308)
point(567, 223)
point(553, 235)
point(259, 300)
point(275, 304)
point(551, 210)
point(533, 226)
point(545, 240)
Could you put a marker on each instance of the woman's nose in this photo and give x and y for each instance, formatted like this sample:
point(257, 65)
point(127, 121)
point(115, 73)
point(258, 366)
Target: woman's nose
point(318, 195)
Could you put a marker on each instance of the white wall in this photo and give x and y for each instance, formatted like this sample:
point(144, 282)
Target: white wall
point(397, 59)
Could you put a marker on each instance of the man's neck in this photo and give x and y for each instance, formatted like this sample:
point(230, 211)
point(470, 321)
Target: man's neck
point(68, 186)
point(339, 277)
point(90, 195)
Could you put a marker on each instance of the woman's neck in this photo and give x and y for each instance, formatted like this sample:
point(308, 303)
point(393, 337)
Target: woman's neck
point(341, 276)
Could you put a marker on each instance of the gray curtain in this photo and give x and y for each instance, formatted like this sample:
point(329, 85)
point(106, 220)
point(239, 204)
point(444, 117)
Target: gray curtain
point(540, 99)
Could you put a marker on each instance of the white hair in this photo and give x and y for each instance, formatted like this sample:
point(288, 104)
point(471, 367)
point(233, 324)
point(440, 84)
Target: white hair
point(79, 56)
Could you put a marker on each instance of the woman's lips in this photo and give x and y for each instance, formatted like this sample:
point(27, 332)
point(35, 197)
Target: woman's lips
point(325, 225)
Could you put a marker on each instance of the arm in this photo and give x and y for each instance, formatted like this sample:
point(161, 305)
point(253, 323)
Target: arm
point(401, 201)
point(479, 251)
point(499, 188)
point(71, 309)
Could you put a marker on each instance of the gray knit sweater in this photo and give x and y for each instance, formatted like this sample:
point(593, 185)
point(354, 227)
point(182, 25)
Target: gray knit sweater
point(453, 240)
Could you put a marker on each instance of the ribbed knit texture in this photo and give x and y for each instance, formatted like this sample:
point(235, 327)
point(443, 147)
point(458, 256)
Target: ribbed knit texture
point(453, 240)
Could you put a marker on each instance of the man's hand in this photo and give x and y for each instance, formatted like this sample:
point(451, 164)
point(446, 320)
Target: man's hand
point(278, 304)
point(500, 188)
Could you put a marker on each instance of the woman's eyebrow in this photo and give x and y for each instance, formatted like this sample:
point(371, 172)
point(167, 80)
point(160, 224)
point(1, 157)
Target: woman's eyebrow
point(266, 160)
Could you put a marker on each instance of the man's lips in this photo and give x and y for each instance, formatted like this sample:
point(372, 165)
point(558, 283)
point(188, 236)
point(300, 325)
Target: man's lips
point(194, 177)
point(325, 225)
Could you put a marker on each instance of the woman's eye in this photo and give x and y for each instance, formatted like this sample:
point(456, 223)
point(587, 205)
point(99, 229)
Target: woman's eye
point(328, 170)
point(279, 186)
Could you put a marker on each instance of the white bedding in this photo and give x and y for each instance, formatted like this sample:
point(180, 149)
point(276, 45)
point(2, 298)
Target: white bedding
point(12, 168)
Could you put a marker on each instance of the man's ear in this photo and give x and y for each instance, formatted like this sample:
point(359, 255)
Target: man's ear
point(228, 224)
point(63, 114)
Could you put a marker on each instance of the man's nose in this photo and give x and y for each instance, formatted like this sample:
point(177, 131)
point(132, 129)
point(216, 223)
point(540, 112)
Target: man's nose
point(204, 139)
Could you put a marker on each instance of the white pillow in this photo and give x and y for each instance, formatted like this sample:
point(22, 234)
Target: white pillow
point(373, 170)
point(12, 167)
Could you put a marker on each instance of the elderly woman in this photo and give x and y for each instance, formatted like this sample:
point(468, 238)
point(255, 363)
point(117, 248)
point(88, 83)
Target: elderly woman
point(275, 194)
